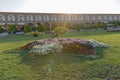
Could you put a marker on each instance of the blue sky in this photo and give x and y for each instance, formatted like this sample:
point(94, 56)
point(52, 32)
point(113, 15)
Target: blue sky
point(61, 6)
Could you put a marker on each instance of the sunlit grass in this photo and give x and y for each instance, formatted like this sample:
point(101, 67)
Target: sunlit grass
point(19, 66)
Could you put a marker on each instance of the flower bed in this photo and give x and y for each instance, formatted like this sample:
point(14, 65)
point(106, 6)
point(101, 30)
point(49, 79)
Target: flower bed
point(67, 45)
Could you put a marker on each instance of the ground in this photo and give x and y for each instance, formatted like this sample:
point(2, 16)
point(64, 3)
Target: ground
point(20, 66)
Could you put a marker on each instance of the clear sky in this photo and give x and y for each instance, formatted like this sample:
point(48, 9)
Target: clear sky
point(61, 6)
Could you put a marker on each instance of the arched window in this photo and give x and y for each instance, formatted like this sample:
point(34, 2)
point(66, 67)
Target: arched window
point(29, 18)
point(110, 17)
point(61, 18)
point(46, 18)
point(119, 17)
point(105, 17)
point(81, 18)
point(115, 17)
point(38, 18)
point(2, 18)
point(11, 18)
point(88, 18)
point(74, 18)
point(93, 18)
point(20, 18)
point(66, 18)
point(53, 18)
point(99, 17)
point(69, 18)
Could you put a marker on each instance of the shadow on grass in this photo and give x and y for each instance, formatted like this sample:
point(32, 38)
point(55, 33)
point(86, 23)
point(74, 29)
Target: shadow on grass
point(41, 60)
point(46, 66)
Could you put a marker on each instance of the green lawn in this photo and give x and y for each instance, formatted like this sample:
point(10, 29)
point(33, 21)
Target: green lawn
point(21, 66)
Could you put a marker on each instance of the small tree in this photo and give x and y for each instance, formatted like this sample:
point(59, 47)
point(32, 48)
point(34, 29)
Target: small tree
point(60, 30)
point(54, 26)
point(12, 29)
point(1, 30)
point(27, 29)
point(90, 26)
point(105, 26)
point(67, 25)
point(96, 26)
point(116, 23)
point(99, 25)
point(82, 26)
point(46, 27)
point(40, 28)
point(76, 27)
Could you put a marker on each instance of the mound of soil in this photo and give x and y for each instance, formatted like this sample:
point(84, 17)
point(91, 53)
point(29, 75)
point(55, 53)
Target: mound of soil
point(70, 45)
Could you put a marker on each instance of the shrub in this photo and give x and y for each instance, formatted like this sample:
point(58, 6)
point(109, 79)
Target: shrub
point(40, 28)
point(12, 29)
point(105, 26)
point(54, 26)
point(46, 27)
point(82, 26)
point(60, 30)
point(116, 23)
point(67, 25)
point(1, 30)
point(27, 29)
point(76, 27)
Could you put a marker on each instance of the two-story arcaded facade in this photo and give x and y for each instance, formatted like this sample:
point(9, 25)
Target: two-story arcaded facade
point(21, 19)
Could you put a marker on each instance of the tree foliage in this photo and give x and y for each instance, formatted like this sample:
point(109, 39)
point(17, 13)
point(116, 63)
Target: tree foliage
point(75, 26)
point(40, 28)
point(60, 30)
point(46, 27)
point(1, 30)
point(116, 23)
point(12, 29)
point(105, 26)
point(27, 29)
point(54, 26)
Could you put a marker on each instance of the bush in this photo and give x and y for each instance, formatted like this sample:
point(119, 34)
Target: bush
point(82, 26)
point(105, 26)
point(54, 26)
point(76, 27)
point(40, 28)
point(27, 29)
point(60, 30)
point(12, 29)
point(1, 30)
point(46, 27)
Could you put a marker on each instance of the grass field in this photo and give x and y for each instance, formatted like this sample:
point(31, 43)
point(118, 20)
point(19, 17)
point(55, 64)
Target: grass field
point(21, 66)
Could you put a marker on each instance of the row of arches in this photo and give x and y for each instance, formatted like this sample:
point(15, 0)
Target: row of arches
point(45, 17)
point(23, 17)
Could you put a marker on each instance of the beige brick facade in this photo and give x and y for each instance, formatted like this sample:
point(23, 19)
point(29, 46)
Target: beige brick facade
point(21, 19)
